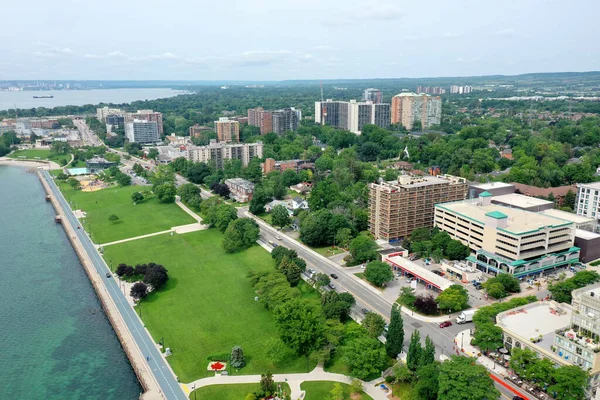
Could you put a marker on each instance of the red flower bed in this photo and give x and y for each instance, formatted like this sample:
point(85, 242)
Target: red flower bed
point(217, 366)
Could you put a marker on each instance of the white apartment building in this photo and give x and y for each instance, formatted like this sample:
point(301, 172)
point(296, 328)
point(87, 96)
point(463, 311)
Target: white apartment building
point(352, 115)
point(506, 239)
point(217, 152)
point(588, 202)
point(143, 132)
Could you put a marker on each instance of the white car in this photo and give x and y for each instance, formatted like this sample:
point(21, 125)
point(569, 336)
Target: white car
point(409, 280)
point(278, 237)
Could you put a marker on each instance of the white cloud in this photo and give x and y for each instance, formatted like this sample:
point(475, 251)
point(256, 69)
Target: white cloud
point(322, 47)
point(50, 50)
point(450, 35)
point(380, 10)
point(112, 54)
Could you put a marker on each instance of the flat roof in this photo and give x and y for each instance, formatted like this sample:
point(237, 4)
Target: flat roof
point(586, 234)
point(569, 216)
point(518, 221)
point(591, 185)
point(535, 319)
point(521, 201)
point(419, 272)
point(492, 185)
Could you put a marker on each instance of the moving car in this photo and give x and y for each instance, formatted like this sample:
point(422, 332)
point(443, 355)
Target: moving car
point(108, 275)
point(365, 311)
point(278, 237)
point(334, 276)
point(331, 286)
point(445, 324)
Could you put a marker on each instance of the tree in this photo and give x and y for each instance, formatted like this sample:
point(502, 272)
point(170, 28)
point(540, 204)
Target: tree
point(488, 337)
point(237, 357)
point(365, 357)
point(291, 270)
point(113, 218)
point(494, 289)
point(267, 384)
point(378, 273)
point(62, 176)
point(137, 197)
point(456, 250)
point(428, 384)
point(249, 396)
point(337, 392)
point(426, 304)
point(220, 189)
point(74, 183)
point(570, 199)
point(259, 200)
point(321, 279)
point(373, 324)
point(225, 213)
point(454, 298)
point(428, 353)
point(188, 191)
point(280, 216)
point(414, 353)
point(561, 291)
point(241, 234)
point(343, 237)
point(570, 382)
point(139, 170)
point(123, 179)
point(301, 325)
point(356, 386)
point(156, 276)
point(407, 296)
point(337, 305)
point(363, 249)
point(462, 378)
point(197, 172)
point(165, 192)
point(395, 334)
point(139, 290)
point(277, 351)
point(121, 268)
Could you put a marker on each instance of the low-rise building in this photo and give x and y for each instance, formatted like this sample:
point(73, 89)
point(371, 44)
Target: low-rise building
point(271, 165)
point(98, 164)
point(420, 274)
point(508, 240)
point(302, 187)
point(240, 189)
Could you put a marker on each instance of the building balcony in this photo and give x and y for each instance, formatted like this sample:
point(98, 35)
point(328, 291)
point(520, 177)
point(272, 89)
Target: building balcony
point(580, 340)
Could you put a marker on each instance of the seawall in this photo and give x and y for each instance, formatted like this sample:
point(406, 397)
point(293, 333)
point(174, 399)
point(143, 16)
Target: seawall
point(133, 352)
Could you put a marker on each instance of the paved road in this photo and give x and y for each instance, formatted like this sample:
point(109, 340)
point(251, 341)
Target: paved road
point(167, 382)
point(87, 135)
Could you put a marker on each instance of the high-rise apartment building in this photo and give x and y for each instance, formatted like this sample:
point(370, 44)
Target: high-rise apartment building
point(455, 89)
point(115, 121)
point(430, 90)
point(352, 115)
point(141, 131)
point(217, 153)
point(396, 208)
point(262, 119)
point(102, 113)
point(285, 120)
point(373, 95)
point(147, 115)
point(587, 202)
point(408, 108)
point(227, 130)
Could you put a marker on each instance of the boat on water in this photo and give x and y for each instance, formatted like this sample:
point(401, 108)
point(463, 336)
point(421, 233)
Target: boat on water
point(47, 96)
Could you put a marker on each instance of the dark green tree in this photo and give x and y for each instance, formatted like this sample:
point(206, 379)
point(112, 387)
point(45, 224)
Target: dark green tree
point(395, 334)
point(237, 357)
point(373, 324)
point(137, 197)
point(378, 273)
point(363, 249)
point(454, 298)
point(415, 351)
point(427, 386)
point(301, 325)
point(462, 378)
point(259, 200)
point(428, 354)
point(165, 192)
point(280, 216)
point(365, 357)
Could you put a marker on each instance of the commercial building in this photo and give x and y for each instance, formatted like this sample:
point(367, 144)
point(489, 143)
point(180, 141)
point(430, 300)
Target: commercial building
point(558, 192)
point(373, 95)
point(143, 132)
point(396, 208)
point(114, 121)
point(508, 240)
point(352, 115)
point(408, 108)
point(96, 164)
point(227, 130)
point(44, 123)
point(217, 153)
point(240, 189)
point(102, 113)
point(522, 202)
point(566, 334)
point(420, 274)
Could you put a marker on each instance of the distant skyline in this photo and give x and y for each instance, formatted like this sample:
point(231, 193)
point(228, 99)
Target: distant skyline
point(284, 40)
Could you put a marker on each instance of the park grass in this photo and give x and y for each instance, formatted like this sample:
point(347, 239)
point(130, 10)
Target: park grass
point(328, 251)
point(404, 391)
point(208, 305)
point(43, 154)
point(236, 391)
point(146, 217)
point(319, 390)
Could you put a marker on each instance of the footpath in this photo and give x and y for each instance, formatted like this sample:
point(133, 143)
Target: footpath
point(294, 380)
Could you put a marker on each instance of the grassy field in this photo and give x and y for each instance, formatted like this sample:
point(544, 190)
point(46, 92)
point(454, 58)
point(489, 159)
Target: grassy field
point(319, 390)
point(43, 154)
point(207, 306)
point(134, 220)
point(230, 392)
point(328, 251)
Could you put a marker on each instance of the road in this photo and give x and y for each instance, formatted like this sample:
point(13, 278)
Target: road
point(167, 382)
point(87, 135)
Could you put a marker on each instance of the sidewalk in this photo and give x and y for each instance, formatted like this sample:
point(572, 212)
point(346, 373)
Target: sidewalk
point(294, 380)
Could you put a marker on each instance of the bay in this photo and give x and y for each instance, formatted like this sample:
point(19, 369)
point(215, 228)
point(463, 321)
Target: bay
point(56, 340)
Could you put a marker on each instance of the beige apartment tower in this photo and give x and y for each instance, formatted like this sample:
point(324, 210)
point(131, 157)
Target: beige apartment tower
point(397, 208)
point(227, 130)
point(408, 108)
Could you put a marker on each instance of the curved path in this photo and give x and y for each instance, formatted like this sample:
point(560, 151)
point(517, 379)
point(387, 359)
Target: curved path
point(294, 380)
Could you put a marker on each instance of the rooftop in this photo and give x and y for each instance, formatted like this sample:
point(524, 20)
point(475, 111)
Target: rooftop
point(568, 216)
point(518, 221)
point(581, 233)
point(593, 185)
point(485, 194)
point(542, 318)
point(520, 201)
point(492, 185)
point(418, 271)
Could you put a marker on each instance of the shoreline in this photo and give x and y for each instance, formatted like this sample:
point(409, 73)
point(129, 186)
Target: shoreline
point(42, 164)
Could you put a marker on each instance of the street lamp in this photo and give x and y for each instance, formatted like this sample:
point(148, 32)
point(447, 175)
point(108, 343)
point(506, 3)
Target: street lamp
point(462, 341)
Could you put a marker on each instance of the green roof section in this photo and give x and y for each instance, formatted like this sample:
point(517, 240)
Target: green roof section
point(485, 194)
point(496, 214)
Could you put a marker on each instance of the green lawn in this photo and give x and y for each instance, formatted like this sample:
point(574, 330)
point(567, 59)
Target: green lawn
point(328, 251)
point(134, 220)
point(207, 306)
point(404, 391)
point(319, 390)
point(230, 392)
point(43, 154)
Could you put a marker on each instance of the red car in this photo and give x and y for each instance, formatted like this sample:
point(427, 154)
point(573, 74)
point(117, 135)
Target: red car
point(445, 324)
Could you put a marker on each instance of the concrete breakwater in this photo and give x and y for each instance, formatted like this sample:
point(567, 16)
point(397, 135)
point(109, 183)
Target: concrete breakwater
point(138, 361)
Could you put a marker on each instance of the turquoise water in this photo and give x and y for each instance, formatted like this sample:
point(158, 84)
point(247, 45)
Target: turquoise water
point(56, 342)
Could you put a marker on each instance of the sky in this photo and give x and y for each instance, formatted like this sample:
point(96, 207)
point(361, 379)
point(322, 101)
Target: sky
point(283, 39)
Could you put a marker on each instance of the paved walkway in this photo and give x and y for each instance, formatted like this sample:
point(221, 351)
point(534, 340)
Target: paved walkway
point(294, 380)
point(187, 210)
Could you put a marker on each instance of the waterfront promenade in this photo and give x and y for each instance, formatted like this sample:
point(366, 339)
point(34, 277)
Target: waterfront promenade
point(150, 366)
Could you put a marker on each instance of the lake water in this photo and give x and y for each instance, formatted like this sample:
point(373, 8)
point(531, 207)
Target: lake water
point(56, 341)
point(24, 99)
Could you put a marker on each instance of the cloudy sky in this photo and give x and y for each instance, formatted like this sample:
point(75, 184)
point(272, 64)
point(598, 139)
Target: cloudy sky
point(285, 39)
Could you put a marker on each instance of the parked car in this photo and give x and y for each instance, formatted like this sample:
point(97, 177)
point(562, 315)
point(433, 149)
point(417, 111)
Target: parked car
point(334, 276)
point(278, 237)
point(365, 311)
point(386, 327)
point(477, 285)
point(438, 272)
point(517, 398)
point(311, 271)
point(331, 286)
point(409, 280)
point(445, 324)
